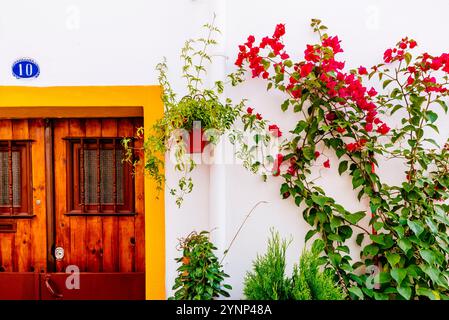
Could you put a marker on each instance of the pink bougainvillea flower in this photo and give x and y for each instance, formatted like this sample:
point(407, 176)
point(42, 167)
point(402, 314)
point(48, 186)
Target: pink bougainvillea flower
point(383, 129)
point(372, 92)
point(274, 129)
point(362, 70)
point(276, 171)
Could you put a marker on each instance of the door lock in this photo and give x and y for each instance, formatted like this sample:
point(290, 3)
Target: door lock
point(59, 253)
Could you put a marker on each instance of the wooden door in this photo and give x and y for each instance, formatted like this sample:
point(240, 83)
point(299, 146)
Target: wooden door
point(102, 241)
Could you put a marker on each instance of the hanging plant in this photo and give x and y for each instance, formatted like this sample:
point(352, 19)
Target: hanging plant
point(189, 123)
point(403, 252)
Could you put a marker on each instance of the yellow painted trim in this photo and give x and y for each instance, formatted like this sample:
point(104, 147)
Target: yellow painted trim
point(147, 97)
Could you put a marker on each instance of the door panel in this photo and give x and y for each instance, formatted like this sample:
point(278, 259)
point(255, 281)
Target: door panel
point(25, 249)
point(97, 243)
point(94, 286)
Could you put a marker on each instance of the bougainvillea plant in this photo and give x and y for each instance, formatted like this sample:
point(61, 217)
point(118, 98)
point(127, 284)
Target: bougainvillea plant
point(404, 247)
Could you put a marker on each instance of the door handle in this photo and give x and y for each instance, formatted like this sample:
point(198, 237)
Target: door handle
point(48, 284)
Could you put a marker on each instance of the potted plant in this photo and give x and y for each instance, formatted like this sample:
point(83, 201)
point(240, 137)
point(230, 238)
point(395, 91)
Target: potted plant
point(189, 123)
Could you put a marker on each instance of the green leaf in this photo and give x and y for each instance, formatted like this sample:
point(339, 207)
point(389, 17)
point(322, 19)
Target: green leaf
point(354, 218)
point(300, 126)
point(406, 292)
point(377, 238)
point(426, 292)
point(284, 105)
point(356, 291)
point(309, 152)
point(431, 116)
point(393, 258)
point(428, 255)
point(416, 227)
point(404, 244)
point(310, 234)
point(442, 104)
point(319, 200)
point(386, 83)
point(398, 274)
point(407, 57)
point(343, 166)
point(359, 238)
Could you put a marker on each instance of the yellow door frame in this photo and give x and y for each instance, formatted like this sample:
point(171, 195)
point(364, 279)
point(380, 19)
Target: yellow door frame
point(103, 101)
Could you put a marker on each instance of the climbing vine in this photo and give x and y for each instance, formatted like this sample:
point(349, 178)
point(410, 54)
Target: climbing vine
point(341, 122)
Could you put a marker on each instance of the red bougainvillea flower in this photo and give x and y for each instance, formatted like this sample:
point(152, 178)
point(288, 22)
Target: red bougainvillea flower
point(250, 110)
point(274, 129)
point(279, 31)
point(259, 116)
point(284, 56)
point(306, 69)
point(369, 127)
point(412, 44)
point(341, 130)
point(250, 41)
point(292, 170)
point(277, 164)
point(331, 116)
point(351, 147)
point(362, 70)
point(355, 146)
point(372, 92)
point(383, 129)
point(333, 43)
point(327, 164)
point(373, 167)
point(317, 154)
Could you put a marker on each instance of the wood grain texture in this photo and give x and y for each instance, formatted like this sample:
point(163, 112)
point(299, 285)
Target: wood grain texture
point(94, 224)
point(139, 219)
point(39, 221)
point(110, 225)
point(7, 241)
point(127, 239)
point(61, 130)
point(22, 244)
point(78, 225)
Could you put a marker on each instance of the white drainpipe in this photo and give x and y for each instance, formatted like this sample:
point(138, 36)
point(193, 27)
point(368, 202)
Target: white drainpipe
point(217, 174)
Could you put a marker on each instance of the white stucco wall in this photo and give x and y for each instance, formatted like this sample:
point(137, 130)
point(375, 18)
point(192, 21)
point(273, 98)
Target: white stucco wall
point(114, 42)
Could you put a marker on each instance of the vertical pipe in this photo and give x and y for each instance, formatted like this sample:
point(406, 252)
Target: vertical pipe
point(98, 178)
point(10, 179)
point(217, 173)
point(82, 173)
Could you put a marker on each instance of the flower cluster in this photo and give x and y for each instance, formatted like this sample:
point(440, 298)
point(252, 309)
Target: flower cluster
point(318, 71)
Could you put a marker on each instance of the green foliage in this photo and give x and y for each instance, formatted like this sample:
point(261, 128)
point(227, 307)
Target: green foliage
point(200, 107)
point(406, 255)
point(268, 281)
point(309, 283)
point(200, 275)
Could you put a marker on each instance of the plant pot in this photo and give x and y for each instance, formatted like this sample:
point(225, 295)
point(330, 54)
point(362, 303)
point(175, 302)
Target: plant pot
point(196, 142)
